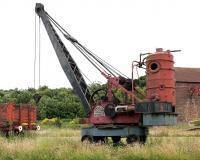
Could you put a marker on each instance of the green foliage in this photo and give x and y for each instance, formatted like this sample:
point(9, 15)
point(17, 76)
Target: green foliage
point(95, 86)
point(53, 121)
point(119, 96)
point(62, 102)
point(141, 81)
point(196, 122)
point(141, 92)
point(140, 85)
point(101, 93)
point(16, 96)
point(75, 121)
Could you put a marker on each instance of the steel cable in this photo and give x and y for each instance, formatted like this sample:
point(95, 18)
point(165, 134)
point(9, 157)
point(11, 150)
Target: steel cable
point(85, 51)
point(90, 58)
point(39, 49)
point(35, 52)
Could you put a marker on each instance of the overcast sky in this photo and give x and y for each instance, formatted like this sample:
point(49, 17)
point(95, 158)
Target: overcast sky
point(116, 30)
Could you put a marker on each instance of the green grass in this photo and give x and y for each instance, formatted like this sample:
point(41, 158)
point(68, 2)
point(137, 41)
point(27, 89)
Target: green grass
point(196, 122)
point(51, 143)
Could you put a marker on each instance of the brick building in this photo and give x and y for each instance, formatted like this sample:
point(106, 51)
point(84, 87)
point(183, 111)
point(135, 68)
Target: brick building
point(187, 106)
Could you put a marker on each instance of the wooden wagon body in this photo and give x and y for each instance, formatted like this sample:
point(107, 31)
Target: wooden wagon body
point(18, 117)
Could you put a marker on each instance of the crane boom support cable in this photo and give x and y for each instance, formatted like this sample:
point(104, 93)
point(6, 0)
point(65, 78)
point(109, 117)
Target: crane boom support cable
point(86, 77)
point(92, 61)
point(69, 35)
point(72, 40)
point(106, 65)
point(35, 52)
point(104, 62)
point(39, 52)
point(89, 59)
point(99, 61)
point(80, 48)
point(87, 55)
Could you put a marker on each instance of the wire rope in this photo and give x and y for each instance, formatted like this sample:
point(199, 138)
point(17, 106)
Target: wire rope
point(102, 62)
point(39, 52)
point(35, 51)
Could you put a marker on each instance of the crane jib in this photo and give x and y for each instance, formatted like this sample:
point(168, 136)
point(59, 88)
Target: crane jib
point(66, 61)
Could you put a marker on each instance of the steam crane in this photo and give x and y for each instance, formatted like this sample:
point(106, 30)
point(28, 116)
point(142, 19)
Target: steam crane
point(108, 116)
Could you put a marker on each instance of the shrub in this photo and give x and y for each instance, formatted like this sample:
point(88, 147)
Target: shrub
point(53, 121)
point(45, 121)
point(57, 122)
point(75, 121)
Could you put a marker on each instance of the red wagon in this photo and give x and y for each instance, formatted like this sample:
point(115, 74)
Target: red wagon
point(16, 118)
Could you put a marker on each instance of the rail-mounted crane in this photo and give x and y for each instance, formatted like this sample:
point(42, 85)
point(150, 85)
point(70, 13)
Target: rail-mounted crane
point(108, 116)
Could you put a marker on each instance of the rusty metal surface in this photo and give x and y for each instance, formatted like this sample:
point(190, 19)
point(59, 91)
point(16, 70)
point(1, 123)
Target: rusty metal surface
point(12, 115)
point(161, 77)
point(159, 119)
point(153, 107)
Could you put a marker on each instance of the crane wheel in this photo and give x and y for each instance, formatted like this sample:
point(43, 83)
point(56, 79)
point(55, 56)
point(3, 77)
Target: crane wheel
point(143, 139)
point(87, 139)
point(136, 139)
point(132, 139)
point(100, 140)
point(116, 140)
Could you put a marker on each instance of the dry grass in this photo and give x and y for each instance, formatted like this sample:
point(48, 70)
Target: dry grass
point(59, 132)
point(164, 143)
point(174, 131)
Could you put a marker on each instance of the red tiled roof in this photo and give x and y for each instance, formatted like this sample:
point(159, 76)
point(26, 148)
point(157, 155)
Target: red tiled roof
point(187, 74)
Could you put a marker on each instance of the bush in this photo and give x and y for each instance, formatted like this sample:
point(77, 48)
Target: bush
point(53, 121)
point(45, 121)
point(75, 121)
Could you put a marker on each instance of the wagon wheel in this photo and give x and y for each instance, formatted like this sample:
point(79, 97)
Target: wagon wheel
point(16, 132)
point(7, 134)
